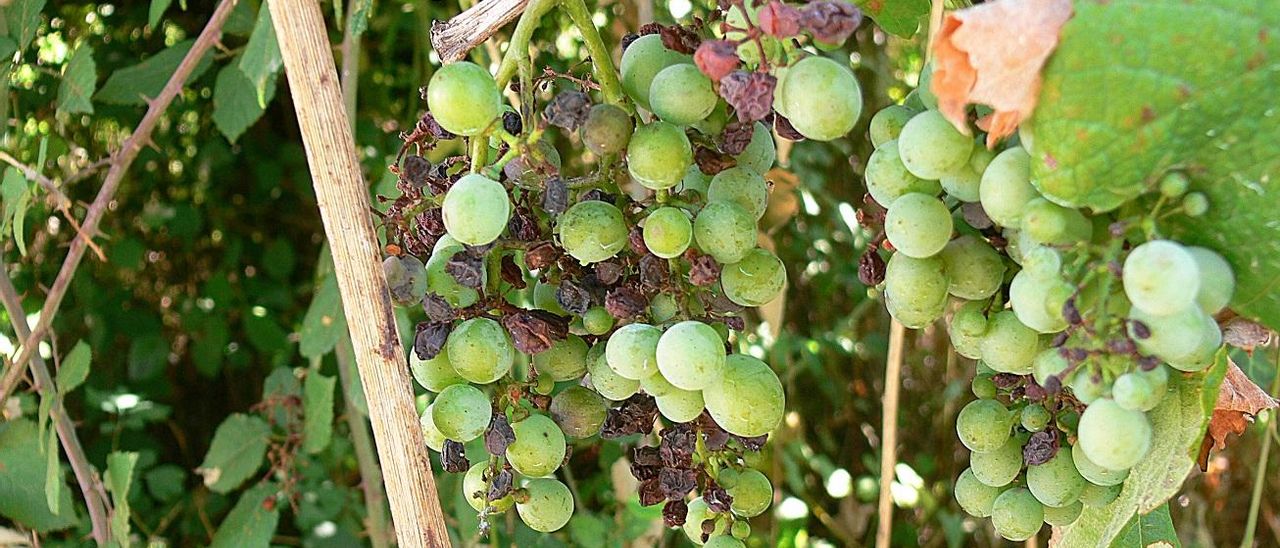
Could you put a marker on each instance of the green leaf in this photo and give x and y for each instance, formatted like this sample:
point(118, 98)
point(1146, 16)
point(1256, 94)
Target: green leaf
point(235, 102)
point(278, 259)
point(900, 17)
point(324, 323)
point(53, 473)
point(236, 453)
point(1149, 529)
point(79, 77)
point(20, 222)
point(360, 19)
point(166, 482)
point(317, 411)
point(1177, 426)
point(133, 85)
point(241, 20)
point(13, 190)
point(252, 520)
point(261, 60)
point(24, 20)
point(75, 368)
point(158, 7)
point(22, 495)
point(118, 479)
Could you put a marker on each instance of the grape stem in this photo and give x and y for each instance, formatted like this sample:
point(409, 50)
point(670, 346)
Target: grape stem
point(601, 61)
point(519, 46)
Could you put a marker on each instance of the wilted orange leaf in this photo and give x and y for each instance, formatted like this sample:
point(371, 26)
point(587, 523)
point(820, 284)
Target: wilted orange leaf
point(992, 54)
point(1239, 400)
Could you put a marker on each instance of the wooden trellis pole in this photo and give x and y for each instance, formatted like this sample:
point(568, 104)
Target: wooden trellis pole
point(344, 207)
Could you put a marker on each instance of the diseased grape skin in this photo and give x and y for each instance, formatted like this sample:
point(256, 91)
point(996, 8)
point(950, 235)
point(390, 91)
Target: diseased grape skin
point(887, 124)
point(1000, 467)
point(918, 225)
point(565, 360)
point(1056, 482)
point(681, 94)
point(1161, 277)
point(549, 507)
point(612, 386)
point(741, 186)
point(1009, 346)
point(658, 155)
point(607, 129)
point(1017, 515)
point(1006, 187)
point(539, 447)
point(755, 280)
point(748, 399)
point(690, 355)
point(631, 351)
point(668, 232)
point(725, 231)
point(697, 513)
point(476, 209)
point(461, 412)
point(473, 487)
point(463, 97)
point(434, 374)
point(480, 351)
point(641, 62)
point(592, 231)
point(931, 147)
point(1186, 340)
point(984, 425)
point(407, 279)
point(680, 405)
point(915, 289)
point(579, 412)
point(760, 152)
point(887, 179)
point(751, 491)
point(1114, 437)
point(974, 268)
point(820, 97)
point(441, 283)
point(975, 497)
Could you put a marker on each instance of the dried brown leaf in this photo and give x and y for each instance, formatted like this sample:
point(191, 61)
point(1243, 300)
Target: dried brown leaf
point(1239, 400)
point(1245, 334)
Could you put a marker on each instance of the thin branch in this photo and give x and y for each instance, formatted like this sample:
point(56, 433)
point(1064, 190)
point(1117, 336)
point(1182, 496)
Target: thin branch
point(120, 162)
point(1259, 481)
point(62, 202)
point(90, 485)
point(518, 48)
point(600, 58)
point(455, 37)
point(889, 432)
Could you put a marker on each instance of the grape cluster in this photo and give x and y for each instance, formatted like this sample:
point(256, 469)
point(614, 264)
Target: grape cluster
point(1078, 319)
point(563, 308)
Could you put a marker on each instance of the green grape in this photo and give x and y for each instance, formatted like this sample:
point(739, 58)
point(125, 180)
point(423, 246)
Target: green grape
point(1029, 294)
point(696, 514)
point(442, 283)
point(984, 425)
point(659, 155)
point(597, 320)
point(473, 487)
point(1048, 223)
point(1113, 437)
point(964, 184)
point(748, 400)
point(632, 350)
point(751, 491)
point(668, 232)
point(434, 374)
point(760, 152)
point(434, 437)
point(913, 101)
point(461, 412)
point(924, 87)
point(565, 360)
point(1161, 277)
point(1087, 388)
point(887, 179)
point(1064, 515)
point(713, 125)
point(663, 307)
point(539, 447)
point(607, 129)
point(724, 541)
point(915, 290)
point(476, 209)
point(1137, 392)
point(983, 387)
point(918, 225)
point(578, 411)
point(463, 98)
point(1006, 187)
point(1195, 204)
point(1187, 340)
point(742, 186)
point(1017, 515)
point(681, 94)
point(691, 355)
point(406, 278)
point(1047, 364)
point(1000, 467)
point(974, 268)
point(975, 498)
point(695, 180)
point(1217, 281)
point(740, 529)
point(480, 350)
point(820, 97)
point(680, 405)
point(725, 231)
point(656, 385)
point(1009, 346)
point(967, 327)
point(544, 385)
point(641, 62)
point(611, 385)
point(541, 153)
point(1097, 496)
point(887, 124)
point(1035, 417)
point(1205, 353)
point(1056, 482)
point(932, 148)
point(549, 506)
point(1174, 184)
point(592, 231)
point(755, 280)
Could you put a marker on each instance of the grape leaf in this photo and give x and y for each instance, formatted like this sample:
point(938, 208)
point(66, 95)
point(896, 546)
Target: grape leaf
point(238, 447)
point(900, 17)
point(235, 102)
point(158, 7)
point(317, 411)
point(1177, 426)
point(53, 473)
point(324, 323)
point(132, 85)
point(22, 483)
point(23, 17)
point(75, 368)
point(79, 77)
point(1150, 530)
point(119, 478)
point(1134, 91)
point(252, 521)
point(261, 59)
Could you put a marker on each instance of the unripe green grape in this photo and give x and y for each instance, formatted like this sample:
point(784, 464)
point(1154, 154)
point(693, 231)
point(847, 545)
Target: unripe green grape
point(984, 425)
point(1056, 482)
point(1195, 204)
point(668, 232)
point(1042, 260)
point(742, 186)
point(924, 87)
point(888, 179)
point(433, 436)
point(549, 507)
point(565, 360)
point(932, 148)
point(480, 351)
point(696, 514)
point(1064, 515)
point(1006, 187)
point(713, 125)
point(659, 155)
point(1000, 467)
point(1205, 353)
point(915, 289)
point(755, 280)
point(681, 94)
point(442, 283)
point(463, 98)
point(663, 307)
point(544, 298)
point(820, 97)
point(740, 529)
point(1161, 277)
point(1028, 294)
point(1046, 364)
point(724, 541)
point(1048, 223)
point(1217, 281)
point(974, 268)
point(434, 374)
point(1009, 346)
point(592, 231)
point(1087, 387)
point(656, 385)
point(597, 320)
point(725, 231)
point(461, 412)
point(544, 385)
point(964, 184)
point(918, 225)
point(641, 62)
point(476, 209)
point(607, 129)
point(1114, 437)
point(983, 387)
point(1187, 340)
point(748, 399)
point(1097, 496)
point(967, 327)
point(1017, 515)
point(752, 493)
point(1035, 417)
point(1136, 392)
point(473, 487)
point(887, 124)
point(539, 447)
point(975, 498)
point(1174, 184)
point(579, 412)
point(690, 355)
point(760, 152)
point(632, 350)
point(680, 405)
point(407, 279)
point(607, 383)
point(695, 180)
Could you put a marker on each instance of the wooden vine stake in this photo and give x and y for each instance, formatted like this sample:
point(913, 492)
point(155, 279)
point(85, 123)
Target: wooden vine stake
point(344, 207)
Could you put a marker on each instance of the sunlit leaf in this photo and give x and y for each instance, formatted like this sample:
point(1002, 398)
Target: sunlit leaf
point(236, 453)
point(78, 80)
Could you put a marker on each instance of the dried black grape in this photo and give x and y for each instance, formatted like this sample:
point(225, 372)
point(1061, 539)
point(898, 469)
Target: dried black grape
point(453, 457)
point(573, 298)
point(1041, 447)
point(429, 339)
point(499, 435)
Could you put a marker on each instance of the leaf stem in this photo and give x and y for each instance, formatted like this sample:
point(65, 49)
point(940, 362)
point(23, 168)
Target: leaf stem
point(601, 61)
point(519, 46)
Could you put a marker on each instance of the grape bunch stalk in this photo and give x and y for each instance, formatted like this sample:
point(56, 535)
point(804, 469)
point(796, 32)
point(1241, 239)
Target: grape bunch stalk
point(581, 297)
point(1080, 322)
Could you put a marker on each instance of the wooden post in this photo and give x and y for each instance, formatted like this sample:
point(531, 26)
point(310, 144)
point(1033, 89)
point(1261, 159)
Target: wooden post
point(344, 207)
point(889, 432)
